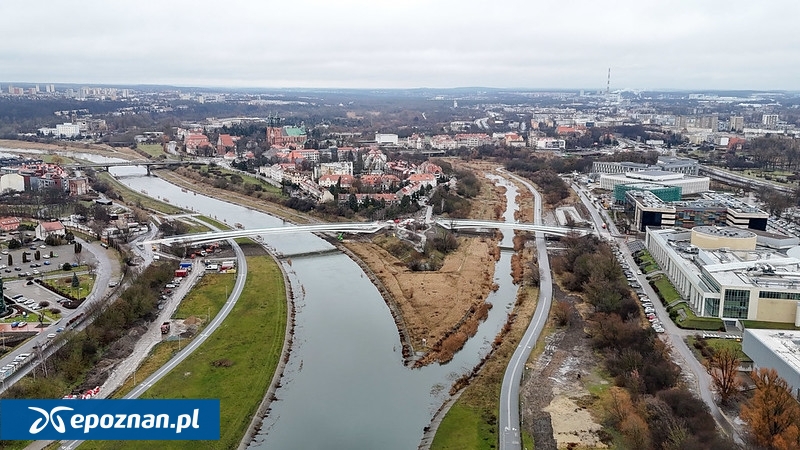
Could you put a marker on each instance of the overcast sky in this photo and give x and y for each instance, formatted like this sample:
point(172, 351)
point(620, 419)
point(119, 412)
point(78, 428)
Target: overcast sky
point(675, 44)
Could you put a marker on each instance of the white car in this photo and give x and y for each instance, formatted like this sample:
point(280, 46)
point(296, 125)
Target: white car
point(51, 336)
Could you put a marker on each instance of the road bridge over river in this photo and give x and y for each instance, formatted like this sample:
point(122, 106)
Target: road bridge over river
point(146, 163)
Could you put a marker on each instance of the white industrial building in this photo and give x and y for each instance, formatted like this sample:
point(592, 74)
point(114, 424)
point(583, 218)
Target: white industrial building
point(675, 164)
point(12, 182)
point(776, 349)
point(721, 273)
point(386, 139)
point(689, 184)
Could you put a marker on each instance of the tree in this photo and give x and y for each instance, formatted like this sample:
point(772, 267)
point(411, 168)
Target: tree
point(562, 311)
point(66, 266)
point(10, 260)
point(14, 244)
point(723, 366)
point(352, 202)
point(37, 255)
point(773, 414)
point(75, 281)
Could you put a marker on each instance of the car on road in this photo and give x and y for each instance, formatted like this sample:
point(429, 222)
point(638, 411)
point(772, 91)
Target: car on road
point(51, 336)
point(17, 297)
point(18, 269)
point(60, 329)
point(5, 252)
point(47, 263)
point(22, 324)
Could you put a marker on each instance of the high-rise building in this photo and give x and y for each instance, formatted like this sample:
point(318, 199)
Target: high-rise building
point(769, 120)
point(709, 122)
point(737, 124)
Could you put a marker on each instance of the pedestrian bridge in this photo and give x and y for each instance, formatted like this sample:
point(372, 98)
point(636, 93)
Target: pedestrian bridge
point(355, 228)
point(458, 224)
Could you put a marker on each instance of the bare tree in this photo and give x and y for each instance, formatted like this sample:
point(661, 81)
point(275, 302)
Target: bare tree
point(723, 366)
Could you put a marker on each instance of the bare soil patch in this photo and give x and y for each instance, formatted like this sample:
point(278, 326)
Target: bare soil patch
point(440, 310)
point(434, 305)
point(554, 390)
point(96, 149)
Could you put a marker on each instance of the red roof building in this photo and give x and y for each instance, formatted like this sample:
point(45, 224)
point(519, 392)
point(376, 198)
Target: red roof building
point(9, 223)
point(225, 144)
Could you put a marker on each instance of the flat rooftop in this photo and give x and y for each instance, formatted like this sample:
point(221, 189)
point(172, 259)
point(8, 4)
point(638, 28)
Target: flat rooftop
point(784, 343)
point(762, 267)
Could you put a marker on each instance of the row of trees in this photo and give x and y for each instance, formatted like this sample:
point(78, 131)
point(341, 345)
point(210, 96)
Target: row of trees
point(774, 153)
point(66, 369)
point(646, 406)
point(772, 413)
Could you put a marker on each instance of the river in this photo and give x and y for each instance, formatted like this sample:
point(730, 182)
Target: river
point(345, 385)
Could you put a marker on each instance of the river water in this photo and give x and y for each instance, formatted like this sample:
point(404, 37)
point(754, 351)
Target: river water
point(345, 385)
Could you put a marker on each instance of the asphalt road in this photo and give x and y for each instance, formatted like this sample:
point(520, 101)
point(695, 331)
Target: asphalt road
point(141, 388)
point(673, 335)
point(509, 424)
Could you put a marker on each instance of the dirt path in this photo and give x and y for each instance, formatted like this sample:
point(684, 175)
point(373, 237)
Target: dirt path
point(554, 391)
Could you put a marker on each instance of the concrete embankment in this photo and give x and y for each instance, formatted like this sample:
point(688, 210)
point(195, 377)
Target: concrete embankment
point(264, 406)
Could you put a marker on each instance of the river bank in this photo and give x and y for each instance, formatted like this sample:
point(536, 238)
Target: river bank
point(76, 147)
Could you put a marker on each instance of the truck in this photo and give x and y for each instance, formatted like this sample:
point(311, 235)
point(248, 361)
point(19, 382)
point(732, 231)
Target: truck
point(165, 328)
point(227, 265)
point(181, 273)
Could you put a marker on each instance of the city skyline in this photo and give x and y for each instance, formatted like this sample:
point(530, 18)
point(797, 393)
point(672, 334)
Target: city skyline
point(682, 45)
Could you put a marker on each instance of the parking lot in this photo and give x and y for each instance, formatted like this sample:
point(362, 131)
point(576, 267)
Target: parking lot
point(16, 279)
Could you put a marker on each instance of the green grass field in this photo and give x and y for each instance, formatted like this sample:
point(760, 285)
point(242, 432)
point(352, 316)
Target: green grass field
point(668, 295)
point(246, 179)
point(666, 290)
point(464, 428)
point(204, 300)
point(769, 325)
point(250, 340)
point(154, 150)
point(135, 198)
point(648, 263)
